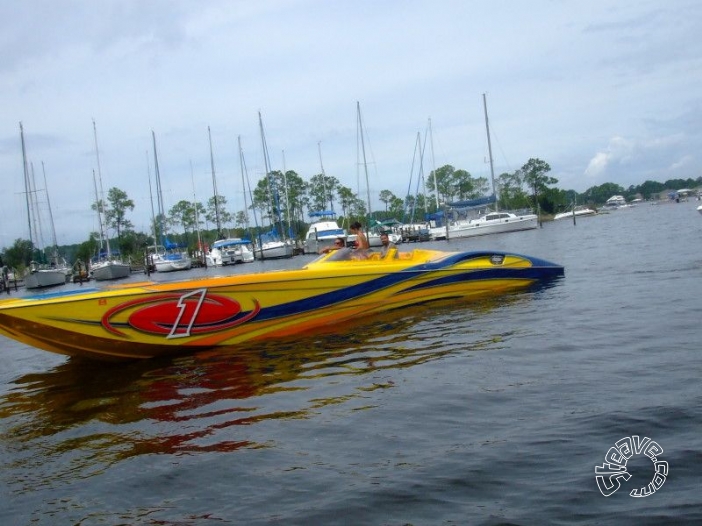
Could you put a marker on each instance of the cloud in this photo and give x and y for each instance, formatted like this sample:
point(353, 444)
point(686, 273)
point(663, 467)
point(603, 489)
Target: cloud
point(619, 151)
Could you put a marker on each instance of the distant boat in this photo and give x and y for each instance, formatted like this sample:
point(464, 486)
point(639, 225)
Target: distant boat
point(615, 203)
point(272, 245)
point(40, 275)
point(487, 221)
point(164, 260)
point(107, 265)
point(322, 233)
point(230, 251)
point(172, 256)
point(579, 211)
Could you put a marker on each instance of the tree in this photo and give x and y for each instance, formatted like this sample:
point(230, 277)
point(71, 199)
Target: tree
point(511, 192)
point(321, 190)
point(386, 196)
point(19, 254)
point(534, 174)
point(115, 215)
point(217, 213)
point(445, 182)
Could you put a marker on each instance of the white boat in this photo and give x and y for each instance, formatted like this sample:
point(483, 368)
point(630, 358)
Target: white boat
point(615, 203)
point(230, 251)
point(579, 211)
point(40, 276)
point(274, 249)
point(56, 271)
point(163, 260)
point(699, 209)
point(108, 265)
point(274, 244)
point(489, 223)
point(322, 234)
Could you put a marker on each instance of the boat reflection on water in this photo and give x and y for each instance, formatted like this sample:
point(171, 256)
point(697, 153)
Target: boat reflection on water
point(96, 414)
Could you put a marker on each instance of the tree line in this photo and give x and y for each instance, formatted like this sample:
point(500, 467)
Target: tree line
point(279, 202)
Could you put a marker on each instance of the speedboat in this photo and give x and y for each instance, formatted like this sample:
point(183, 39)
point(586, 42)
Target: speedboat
point(147, 319)
point(579, 211)
point(230, 251)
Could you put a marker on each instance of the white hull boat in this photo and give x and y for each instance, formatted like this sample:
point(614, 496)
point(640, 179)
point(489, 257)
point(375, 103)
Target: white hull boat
point(110, 269)
point(274, 250)
point(491, 223)
point(38, 278)
point(230, 251)
point(579, 211)
point(322, 235)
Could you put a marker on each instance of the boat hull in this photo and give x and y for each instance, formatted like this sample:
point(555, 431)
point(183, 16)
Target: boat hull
point(45, 278)
point(148, 319)
point(110, 270)
point(481, 228)
point(577, 213)
point(274, 250)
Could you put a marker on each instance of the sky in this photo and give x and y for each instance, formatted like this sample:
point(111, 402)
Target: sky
point(603, 91)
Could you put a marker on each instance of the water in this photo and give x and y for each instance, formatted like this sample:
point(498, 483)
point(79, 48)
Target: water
point(489, 413)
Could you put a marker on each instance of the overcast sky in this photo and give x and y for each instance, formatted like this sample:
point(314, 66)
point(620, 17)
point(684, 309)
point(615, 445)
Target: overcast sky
point(603, 91)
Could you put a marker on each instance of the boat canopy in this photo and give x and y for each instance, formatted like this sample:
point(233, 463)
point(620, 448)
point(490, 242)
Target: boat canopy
point(323, 213)
point(230, 242)
point(473, 203)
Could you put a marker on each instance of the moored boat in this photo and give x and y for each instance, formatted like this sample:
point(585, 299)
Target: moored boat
point(489, 223)
point(322, 234)
point(145, 320)
point(230, 251)
point(579, 211)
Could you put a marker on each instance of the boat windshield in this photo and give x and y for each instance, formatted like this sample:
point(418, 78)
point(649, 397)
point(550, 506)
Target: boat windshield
point(343, 254)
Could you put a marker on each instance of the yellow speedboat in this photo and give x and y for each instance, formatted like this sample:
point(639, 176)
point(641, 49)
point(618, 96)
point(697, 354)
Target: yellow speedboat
point(145, 320)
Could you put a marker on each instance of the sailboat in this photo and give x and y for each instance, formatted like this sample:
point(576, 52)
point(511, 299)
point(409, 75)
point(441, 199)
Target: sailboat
point(272, 245)
point(165, 257)
point(40, 275)
point(107, 265)
point(226, 250)
point(486, 222)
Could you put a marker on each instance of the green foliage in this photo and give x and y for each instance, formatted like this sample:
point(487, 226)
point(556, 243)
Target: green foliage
point(19, 254)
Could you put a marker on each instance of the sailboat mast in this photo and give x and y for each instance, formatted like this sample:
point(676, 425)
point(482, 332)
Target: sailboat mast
point(492, 169)
point(159, 192)
point(324, 179)
point(101, 201)
point(363, 149)
point(433, 162)
point(48, 203)
point(26, 185)
point(246, 183)
point(98, 204)
point(272, 187)
point(197, 214)
point(214, 186)
point(151, 199)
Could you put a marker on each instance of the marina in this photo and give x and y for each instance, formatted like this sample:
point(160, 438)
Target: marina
point(486, 412)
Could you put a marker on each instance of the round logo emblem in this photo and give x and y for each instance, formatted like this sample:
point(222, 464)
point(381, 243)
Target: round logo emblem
point(609, 474)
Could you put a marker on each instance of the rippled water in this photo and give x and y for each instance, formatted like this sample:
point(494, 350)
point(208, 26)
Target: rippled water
point(494, 412)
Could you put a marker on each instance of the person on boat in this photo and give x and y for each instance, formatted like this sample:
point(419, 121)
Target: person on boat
point(339, 242)
point(361, 239)
point(386, 245)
